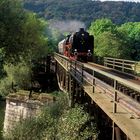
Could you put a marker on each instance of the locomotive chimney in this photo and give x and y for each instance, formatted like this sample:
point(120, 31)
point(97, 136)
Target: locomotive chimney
point(81, 29)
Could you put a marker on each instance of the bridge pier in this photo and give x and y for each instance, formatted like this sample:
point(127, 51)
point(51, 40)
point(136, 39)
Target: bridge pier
point(20, 107)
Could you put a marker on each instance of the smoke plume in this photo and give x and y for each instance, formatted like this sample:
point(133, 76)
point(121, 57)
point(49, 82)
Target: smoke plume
point(67, 26)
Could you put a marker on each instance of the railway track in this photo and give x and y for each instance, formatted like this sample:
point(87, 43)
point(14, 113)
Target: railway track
point(120, 87)
point(115, 93)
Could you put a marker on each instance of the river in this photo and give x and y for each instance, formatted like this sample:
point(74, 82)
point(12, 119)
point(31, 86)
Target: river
point(2, 113)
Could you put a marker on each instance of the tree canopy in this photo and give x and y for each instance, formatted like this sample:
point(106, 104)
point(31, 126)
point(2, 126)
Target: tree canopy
point(116, 41)
point(22, 39)
point(21, 33)
point(131, 33)
point(85, 10)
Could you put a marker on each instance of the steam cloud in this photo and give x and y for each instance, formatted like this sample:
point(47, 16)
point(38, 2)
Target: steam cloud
point(67, 26)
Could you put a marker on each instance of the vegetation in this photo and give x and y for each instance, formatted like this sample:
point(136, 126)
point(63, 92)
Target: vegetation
point(21, 32)
point(118, 30)
point(57, 121)
point(116, 41)
point(131, 34)
point(119, 12)
point(22, 39)
point(2, 112)
point(18, 76)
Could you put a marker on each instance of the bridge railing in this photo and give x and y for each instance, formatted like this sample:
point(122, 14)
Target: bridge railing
point(105, 82)
point(64, 61)
point(123, 65)
point(76, 69)
point(110, 85)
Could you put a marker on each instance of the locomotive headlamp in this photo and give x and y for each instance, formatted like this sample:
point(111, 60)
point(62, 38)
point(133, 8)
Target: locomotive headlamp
point(75, 52)
point(89, 53)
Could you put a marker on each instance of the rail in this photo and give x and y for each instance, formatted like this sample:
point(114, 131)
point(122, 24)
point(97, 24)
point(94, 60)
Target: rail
point(103, 88)
point(81, 73)
point(64, 61)
point(127, 66)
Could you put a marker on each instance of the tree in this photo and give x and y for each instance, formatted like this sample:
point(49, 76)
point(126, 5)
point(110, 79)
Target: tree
point(110, 45)
point(1, 63)
point(75, 124)
point(100, 26)
point(131, 33)
point(109, 41)
point(22, 38)
point(21, 32)
point(119, 12)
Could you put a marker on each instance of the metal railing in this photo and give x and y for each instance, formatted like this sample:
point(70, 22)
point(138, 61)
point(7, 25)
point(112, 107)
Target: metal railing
point(64, 61)
point(81, 73)
point(122, 65)
point(111, 88)
point(106, 94)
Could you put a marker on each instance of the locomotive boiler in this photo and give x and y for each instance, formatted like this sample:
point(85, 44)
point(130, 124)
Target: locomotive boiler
point(77, 46)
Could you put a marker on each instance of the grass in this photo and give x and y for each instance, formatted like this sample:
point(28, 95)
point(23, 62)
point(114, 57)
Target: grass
point(23, 95)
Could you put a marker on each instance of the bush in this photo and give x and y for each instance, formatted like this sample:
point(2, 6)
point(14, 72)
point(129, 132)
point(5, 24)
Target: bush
point(19, 75)
point(75, 124)
point(56, 121)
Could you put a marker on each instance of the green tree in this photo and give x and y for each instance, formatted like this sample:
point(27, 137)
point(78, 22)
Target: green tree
point(75, 124)
point(100, 26)
point(131, 33)
point(21, 32)
point(110, 45)
point(1, 63)
point(109, 41)
point(119, 12)
point(17, 76)
point(22, 38)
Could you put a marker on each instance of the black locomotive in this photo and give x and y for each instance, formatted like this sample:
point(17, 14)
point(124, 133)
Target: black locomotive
point(78, 46)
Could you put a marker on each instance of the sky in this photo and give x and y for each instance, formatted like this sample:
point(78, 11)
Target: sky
point(123, 0)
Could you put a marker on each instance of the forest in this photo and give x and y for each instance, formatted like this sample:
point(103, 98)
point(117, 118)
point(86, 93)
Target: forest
point(116, 22)
point(85, 10)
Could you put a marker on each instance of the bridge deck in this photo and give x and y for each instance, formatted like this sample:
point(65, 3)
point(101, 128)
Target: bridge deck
point(104, 93)
point(125, 79)
point(116, 73)
point(122, 118)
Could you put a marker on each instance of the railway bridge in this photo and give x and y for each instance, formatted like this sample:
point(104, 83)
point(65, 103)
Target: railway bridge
point(113, 97)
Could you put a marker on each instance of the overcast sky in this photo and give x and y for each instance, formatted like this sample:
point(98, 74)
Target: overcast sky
point(122, 0)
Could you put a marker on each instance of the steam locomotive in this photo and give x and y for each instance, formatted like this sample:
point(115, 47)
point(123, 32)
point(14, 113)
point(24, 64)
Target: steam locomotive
point(77, 46)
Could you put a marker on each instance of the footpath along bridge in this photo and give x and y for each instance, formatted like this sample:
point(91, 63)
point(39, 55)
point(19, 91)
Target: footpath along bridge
point(112, 96)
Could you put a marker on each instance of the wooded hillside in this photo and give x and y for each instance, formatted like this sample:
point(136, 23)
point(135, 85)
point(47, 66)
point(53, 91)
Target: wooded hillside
point(85, 10)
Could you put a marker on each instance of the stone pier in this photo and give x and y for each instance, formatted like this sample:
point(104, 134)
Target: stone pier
point(19, 106)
